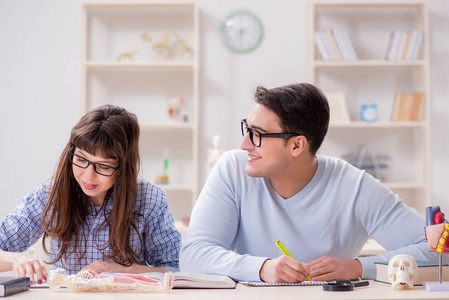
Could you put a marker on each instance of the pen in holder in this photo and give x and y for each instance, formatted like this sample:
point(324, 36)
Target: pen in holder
point(164, 178)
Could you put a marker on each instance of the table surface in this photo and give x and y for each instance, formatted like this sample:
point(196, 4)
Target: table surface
point(375, 290)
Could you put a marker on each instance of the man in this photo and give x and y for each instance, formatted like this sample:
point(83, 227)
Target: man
point(322, 209)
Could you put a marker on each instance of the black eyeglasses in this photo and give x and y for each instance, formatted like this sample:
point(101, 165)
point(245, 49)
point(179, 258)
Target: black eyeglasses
point(83, 163)
point(256, 136)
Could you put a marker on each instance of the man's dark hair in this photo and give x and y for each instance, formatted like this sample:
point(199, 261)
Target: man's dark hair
point(301, 108)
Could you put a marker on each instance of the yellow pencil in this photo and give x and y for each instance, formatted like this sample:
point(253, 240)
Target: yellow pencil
point(286, 252)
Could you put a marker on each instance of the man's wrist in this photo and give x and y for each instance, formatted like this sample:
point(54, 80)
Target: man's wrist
point(359, 267)
point(261, 276)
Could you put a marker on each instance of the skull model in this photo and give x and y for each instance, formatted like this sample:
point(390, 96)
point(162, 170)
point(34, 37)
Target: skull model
point(402, 271)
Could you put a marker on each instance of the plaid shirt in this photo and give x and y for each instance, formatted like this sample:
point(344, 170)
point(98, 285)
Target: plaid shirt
point(21, 229)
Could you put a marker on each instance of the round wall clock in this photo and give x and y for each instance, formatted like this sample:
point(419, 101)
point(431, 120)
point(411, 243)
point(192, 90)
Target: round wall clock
point(241, 31)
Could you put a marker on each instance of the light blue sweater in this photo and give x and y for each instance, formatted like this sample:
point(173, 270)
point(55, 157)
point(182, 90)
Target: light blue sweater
point(238, 219)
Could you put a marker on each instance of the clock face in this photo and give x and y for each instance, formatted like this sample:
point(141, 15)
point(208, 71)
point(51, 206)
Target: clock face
point(241, 31)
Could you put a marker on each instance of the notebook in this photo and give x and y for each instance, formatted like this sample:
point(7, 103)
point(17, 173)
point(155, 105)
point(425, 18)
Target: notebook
point(185, 280)
point(304, 283)
point(42, 285)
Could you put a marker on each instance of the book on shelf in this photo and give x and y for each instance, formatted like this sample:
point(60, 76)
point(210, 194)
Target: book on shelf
point(407, 45)
point(407, 107)
point(344, 44)
point(340, 44)
point(192, 280)
point(334, 45)
point(401, 45)
point(338, 106)
point(327, 45)
point(416, 46)
point(427, 272)
point(394, 44)
point(349, 46)
point(390, 45)
point(404, 45)
point(330, 37)
point(320, 45)
point(12, 285)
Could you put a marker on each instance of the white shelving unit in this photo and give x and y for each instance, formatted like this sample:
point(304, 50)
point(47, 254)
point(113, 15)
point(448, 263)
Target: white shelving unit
point(372, 79)
point(144, 85)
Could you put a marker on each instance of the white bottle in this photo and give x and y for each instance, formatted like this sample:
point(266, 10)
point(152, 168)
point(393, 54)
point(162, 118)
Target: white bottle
point(213, 154)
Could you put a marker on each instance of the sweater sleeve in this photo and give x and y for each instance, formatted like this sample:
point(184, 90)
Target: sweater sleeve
point(213, 226)
point(394, 225)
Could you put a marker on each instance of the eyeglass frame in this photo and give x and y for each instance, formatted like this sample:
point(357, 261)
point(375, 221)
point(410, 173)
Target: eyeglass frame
point(94, 165)
point(282, 135)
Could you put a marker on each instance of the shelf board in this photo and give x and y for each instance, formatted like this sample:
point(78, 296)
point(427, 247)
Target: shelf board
point(136, 5)
point(368, 63)
point(175, 187)
point(139, 64)
point(366, 4)
point(405, 185)
point(168, 126)
point(397, 124)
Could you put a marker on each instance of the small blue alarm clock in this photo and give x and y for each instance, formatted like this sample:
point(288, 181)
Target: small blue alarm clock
point(368, 112)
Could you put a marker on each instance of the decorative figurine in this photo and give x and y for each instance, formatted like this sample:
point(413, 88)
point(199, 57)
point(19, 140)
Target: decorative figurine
point(176, 109)
point(127, 55)
point(146, 38)
point(171, 43)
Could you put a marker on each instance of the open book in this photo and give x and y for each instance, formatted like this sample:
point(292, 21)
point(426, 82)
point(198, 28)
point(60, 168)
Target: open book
point(189, 280)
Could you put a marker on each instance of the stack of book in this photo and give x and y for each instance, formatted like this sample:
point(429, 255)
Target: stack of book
point(427, 272)
point(408, 107)
point(334, 45)
point(404, 45)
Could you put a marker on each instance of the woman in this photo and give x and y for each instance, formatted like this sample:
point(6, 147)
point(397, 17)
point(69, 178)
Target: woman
point(95, 212)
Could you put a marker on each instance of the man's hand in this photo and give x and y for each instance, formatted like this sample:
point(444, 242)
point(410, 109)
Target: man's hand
point(328, 268)
point(24, 266)
point(283, 269)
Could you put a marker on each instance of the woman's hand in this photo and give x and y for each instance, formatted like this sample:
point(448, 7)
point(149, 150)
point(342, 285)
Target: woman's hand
point(24, 266)
point(113, 267)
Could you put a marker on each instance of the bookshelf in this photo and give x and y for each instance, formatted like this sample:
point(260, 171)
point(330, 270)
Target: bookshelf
point(373, 78)
point(145, 84)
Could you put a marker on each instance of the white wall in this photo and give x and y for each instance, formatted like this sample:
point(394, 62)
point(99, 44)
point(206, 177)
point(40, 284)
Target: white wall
point(39, 48)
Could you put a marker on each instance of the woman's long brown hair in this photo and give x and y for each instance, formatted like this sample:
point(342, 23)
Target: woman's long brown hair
point(111, 132)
